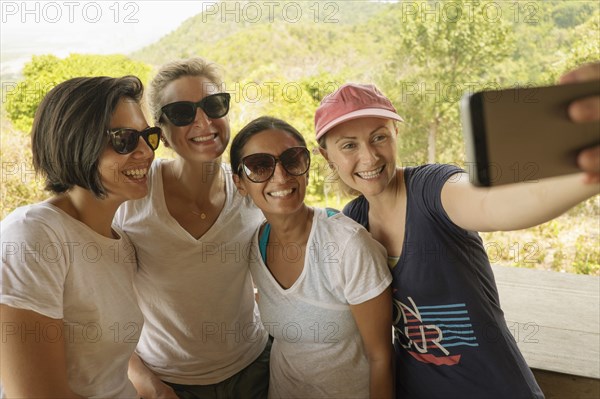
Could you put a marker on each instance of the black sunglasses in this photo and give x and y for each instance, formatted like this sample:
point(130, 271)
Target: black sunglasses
point(182, 113)
point(261, 167)
point(125, 141)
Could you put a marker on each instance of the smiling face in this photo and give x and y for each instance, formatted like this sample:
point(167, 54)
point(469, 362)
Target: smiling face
point(124, 176)
point(363, 151)
point(282, 193)
point(204, 139)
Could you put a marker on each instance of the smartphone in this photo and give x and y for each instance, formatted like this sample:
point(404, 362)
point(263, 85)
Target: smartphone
point(525, 134)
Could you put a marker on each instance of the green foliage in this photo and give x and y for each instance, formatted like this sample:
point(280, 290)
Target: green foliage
point(570, 14)
point(584, 48)
point(45, 71)
point(239, 36)
point(569, 243)
point(20, 185)
point(587, 256)
point(549, 230)
point(553, 37)
point(446, 53)
point(558, 258)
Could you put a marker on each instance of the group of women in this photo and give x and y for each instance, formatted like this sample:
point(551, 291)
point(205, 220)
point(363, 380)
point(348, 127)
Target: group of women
point(137, 278)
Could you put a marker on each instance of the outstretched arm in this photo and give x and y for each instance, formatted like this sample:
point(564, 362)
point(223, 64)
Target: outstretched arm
point(374, 321)
point(523, 205)
point(513, 206)
point(32, 364)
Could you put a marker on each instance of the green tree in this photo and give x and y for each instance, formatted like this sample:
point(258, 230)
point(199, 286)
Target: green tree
point(438, 52)
point(585, 46)
point(570, 14)
point(44, 72)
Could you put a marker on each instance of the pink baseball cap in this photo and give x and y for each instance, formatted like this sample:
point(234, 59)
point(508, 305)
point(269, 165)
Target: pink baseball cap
point(352, 101)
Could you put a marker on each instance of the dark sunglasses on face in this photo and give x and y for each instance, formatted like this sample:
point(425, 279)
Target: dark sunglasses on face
point(182, 113)
point(125, 141)
point(261, 167)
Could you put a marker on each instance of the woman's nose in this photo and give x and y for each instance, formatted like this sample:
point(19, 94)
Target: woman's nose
point(201, 119)
point(279, 174)
point(368, 155)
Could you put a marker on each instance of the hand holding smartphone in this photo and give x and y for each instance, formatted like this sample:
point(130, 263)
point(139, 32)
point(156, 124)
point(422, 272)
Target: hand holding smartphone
point(525, 134)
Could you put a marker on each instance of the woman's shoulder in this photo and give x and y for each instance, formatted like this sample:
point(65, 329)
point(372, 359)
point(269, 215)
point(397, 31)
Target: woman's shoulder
point(33, 213)
point(347, 238)
point(336, 224)
point(36, 220)
point(429, 172)
point(358, 203)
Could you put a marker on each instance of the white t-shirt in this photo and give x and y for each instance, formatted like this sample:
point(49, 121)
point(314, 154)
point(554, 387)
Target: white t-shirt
point(58, 267)
point(202, 323)
point(318, 350)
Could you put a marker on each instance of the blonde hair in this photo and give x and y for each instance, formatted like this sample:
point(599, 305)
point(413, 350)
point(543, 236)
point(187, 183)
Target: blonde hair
point(174, 70)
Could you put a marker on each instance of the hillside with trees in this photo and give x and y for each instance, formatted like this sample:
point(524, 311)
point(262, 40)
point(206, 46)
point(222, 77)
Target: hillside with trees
point(423, 55)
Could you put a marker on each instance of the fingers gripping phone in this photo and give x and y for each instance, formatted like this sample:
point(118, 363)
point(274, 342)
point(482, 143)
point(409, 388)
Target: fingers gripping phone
point(525, 134)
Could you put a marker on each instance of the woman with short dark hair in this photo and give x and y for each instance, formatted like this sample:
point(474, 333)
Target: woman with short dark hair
point(67, 300)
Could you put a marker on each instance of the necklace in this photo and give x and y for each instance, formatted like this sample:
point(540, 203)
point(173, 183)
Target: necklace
point(201, 214)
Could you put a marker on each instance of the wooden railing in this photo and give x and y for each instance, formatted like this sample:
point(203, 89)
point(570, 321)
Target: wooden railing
point(555, 319)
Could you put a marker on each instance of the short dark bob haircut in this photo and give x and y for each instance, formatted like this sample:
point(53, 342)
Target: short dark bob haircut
point(256, 126)
point(69, 130)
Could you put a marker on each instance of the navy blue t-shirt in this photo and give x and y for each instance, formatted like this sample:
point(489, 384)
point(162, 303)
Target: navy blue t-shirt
point(450, 335)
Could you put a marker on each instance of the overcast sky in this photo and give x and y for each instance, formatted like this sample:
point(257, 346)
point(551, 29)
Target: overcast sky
point(99, 27)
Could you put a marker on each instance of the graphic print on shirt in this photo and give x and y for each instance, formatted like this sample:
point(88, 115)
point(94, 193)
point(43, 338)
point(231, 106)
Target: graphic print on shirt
point(433, 334)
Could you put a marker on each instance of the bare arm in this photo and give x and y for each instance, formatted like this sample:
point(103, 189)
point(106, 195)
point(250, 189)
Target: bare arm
point(148, 385)
point(374, 321)
point(32, 355)
point(513, 206)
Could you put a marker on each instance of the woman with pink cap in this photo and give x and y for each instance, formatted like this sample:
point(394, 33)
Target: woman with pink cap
point(450, 336)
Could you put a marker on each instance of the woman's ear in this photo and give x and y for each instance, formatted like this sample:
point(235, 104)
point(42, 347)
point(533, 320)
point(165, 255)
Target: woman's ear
point(331, 165)
point(240, 185)
point(323, 152)
point(396, 126)
point(164, 140)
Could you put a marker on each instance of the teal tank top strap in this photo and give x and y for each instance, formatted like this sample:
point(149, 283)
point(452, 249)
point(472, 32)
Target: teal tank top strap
point(262, 242)
point(331, 212)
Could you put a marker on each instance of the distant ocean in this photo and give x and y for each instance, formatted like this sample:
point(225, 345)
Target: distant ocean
point(121, 30)
point(18, 48)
